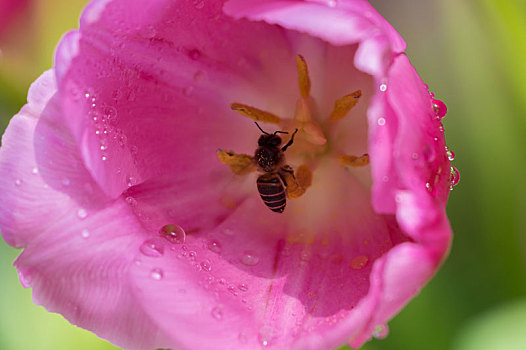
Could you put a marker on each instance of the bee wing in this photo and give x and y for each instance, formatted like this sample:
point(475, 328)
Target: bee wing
point(240, 164)
point(297, 183)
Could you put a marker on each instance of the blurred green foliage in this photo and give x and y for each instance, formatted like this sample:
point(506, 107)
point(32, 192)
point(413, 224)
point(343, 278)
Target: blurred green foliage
point(472, 55)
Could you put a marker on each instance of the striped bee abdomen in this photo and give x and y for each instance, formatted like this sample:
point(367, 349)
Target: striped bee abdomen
point(272, 192)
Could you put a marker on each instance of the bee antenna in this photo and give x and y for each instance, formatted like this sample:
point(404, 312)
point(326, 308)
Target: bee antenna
point(280, 132)
point(259, 127)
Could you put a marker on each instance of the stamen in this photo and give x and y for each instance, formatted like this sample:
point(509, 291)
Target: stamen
point(303, 76)
point(297, 184)
point(354, 161)
point(344, 105)
point(312, 130)
point(255, 113)
point(240, 164)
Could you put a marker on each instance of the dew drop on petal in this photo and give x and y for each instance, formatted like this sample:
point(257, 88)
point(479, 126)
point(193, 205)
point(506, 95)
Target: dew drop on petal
point(132, 181)
point(152, 248)
point(243, 287)
point(18, 182)
point(455, 176)
point(383, 87)
point(232, 290)
point(381, 121)
point(214, 246)
point(82, 213)
point(380, 331)
point(206, 265)
point(440, 108)
point(359, 262)
point(157, 274)
point(217, 313)
point(429, 187)
point(84, 233)
point(249, 258)
point(173, 234)
point(265, 335)
point(34, 171)
point(450, 155)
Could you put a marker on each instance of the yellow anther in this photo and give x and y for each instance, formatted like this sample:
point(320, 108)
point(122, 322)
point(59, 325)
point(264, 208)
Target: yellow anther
point(344, 105)
point(303, 76)
point(298, 184)
point(255, 113)
point(240, 164)
point(354, 161)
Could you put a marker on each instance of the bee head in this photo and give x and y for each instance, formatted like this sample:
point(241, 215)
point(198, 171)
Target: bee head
point(269, 140)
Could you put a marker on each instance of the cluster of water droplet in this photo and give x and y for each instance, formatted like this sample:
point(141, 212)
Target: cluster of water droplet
point(440, 110)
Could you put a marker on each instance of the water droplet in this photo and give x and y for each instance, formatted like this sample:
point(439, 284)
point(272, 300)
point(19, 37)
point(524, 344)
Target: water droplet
point(66, 182)
point(132, 181)
point(381, 121)
point(82, 213)
point(103, 147)
point(331, 3)
point(383, 87)
point(440, 108)
point(194, 54)
point(152, 248)
point(18, 182)
point(191, 255)
point(232, 289)
point(265, 335)
point(34, 171)
point(206, 265)
point(359, 262)
point(429, 187)
point(222, 281)
point(454, 178)
point(380, 331)
point(173, 233)
point(217, 312)
point(214, 246)
point(450, 155)
point(131, 201)
point(157, 274)
point(414, 156)
point(104, 158)
point(243, 287)
point(84, 233)
point(249, 258)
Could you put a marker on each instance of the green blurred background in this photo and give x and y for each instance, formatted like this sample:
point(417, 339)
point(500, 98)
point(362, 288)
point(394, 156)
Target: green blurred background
point(472, 54)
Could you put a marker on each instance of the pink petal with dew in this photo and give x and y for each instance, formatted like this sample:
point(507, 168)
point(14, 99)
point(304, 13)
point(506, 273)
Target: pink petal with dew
point(164, 77)
point(76, 256)
point(31, 165)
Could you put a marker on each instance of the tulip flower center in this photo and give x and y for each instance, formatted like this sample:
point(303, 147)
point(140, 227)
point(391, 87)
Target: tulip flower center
point(309, 147)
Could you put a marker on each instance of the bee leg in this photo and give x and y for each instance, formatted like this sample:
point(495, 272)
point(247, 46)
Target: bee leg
point(240, 164)
point(284, 148)
point(298, 183)
point(354, 161)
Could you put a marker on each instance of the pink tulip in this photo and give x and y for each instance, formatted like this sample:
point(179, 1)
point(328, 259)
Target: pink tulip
point(132, 228)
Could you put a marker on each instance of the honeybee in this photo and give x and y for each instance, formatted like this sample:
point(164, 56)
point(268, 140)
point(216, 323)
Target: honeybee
point(270, 159)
